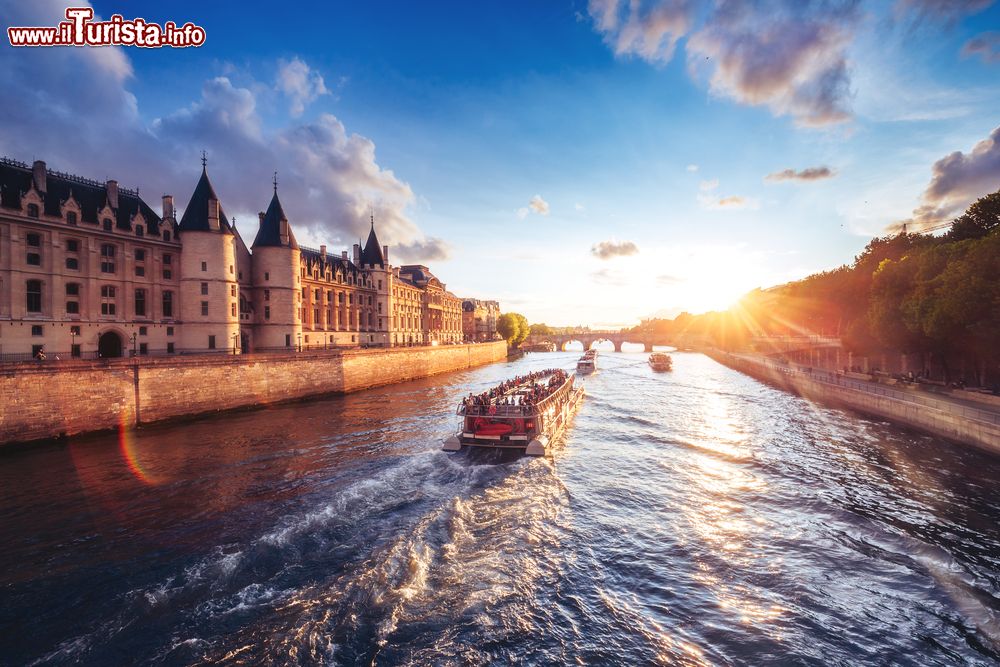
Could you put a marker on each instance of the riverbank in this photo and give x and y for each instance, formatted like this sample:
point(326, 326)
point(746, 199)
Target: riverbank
point(40, 402)
point(955, 420)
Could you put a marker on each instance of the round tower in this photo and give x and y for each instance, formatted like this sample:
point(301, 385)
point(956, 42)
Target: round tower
point(209, 292)
point(277, 282)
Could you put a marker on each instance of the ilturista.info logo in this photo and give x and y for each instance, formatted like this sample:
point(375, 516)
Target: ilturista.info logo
point(80, 29)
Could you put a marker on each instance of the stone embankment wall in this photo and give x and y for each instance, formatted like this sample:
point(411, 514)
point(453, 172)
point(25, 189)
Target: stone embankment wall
point(39, 401)
point(949, 419)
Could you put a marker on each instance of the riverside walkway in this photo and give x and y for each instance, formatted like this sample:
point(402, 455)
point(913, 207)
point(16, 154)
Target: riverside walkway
point(964, 420)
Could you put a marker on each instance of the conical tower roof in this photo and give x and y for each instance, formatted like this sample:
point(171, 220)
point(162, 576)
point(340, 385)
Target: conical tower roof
point(372, 253)
point(195, 217)
point(269, 233)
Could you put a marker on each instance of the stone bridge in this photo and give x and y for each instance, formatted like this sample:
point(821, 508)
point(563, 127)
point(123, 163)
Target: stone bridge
point(617, 338)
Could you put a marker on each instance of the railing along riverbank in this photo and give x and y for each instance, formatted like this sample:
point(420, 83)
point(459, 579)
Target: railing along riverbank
point(948, 418)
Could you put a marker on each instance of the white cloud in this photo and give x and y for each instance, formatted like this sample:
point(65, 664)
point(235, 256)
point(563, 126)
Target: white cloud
point(539, 205)
point(522, 212)
point(692, 167)
point(706, 186)
point(300, 83)
point(328, 176)
point(612, 248)
point(579, 207)
point(727, 203)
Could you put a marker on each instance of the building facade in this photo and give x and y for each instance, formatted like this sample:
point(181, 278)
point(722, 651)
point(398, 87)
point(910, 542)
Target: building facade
point(479, 320)
point(88, 269)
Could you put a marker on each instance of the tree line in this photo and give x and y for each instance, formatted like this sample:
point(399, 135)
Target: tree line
point(935, 299)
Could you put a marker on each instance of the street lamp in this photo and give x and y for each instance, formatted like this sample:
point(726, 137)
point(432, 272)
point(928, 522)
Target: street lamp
point(72, 338)
point(300, 342)
point(135, 337)
point(236, 338)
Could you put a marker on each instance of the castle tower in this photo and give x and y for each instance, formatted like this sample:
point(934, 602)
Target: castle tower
point(276, 277)
point(375, 259)
point(209, 293)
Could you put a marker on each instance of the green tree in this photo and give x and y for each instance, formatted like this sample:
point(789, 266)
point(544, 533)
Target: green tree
point(522, 329)
point(509, 326)
point(540, 330)
point(979, 219)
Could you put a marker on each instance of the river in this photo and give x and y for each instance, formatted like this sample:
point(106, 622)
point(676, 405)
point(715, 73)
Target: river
point(692, 517)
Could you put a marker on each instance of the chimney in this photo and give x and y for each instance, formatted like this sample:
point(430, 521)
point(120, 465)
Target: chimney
point(357, 253)
point(168, 207)
point(213, 214)
point(343, 255)
point(112, 188)
point(385, 253)
point(260, 218)
point(38, 174)
point(322, 251)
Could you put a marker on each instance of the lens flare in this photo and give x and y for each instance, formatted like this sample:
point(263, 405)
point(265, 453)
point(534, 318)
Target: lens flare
point(130, 452)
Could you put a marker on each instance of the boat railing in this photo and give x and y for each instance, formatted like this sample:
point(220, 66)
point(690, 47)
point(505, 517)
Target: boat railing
point(494, 410)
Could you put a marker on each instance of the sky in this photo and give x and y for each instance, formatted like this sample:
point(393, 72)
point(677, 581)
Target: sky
point(582, 162)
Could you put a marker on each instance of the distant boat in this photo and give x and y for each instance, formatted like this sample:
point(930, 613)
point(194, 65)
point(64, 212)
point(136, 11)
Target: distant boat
point(588, 362)
point(661, 361)
point(524, 413)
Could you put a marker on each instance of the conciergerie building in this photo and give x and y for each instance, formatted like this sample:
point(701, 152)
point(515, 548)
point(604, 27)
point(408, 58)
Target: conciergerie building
point(88, 269)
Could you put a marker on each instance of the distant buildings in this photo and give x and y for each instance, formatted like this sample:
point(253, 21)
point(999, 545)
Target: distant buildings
point(88, 269)
point(479, 319)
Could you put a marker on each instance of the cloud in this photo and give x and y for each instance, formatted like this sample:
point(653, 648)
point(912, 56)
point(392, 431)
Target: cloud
point(730, 202)
point(707, 186)
point(667, 279)
point(539, 205)
point(328, 177)
point(422, 251)
point(806, 175)
point(985, 45)
point(522, 212)
point(579, 207)
point(649, 30)
point(787, 55)
point(692, 167)
point(612, 248)
point(300, 84)
point(957, 180)
point(947, 10)
point(608, 277)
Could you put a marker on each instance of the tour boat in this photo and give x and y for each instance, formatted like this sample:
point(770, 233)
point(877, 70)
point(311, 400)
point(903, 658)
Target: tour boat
point(527, 413)
point(661, 361)
point(588, 362)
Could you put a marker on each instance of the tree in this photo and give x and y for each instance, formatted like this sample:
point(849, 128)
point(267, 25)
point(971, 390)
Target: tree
point(978, 220)
point(509, 326)
point(540, 330)
point(522, 328)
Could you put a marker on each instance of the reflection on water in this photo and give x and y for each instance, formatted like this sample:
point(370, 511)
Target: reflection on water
point(693, 517)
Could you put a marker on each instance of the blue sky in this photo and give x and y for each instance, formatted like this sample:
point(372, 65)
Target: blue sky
point(643, 132)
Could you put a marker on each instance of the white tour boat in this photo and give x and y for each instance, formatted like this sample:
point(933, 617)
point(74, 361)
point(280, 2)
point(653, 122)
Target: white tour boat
point(527, 412)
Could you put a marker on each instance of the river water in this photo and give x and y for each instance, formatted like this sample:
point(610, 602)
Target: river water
point(692, 517)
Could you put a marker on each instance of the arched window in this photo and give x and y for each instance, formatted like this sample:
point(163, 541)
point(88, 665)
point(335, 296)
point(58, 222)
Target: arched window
point(32, 210)
point(33, 300)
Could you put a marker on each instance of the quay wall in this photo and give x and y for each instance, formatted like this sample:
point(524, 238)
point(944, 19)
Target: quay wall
point(979, 427)
point(40, 401)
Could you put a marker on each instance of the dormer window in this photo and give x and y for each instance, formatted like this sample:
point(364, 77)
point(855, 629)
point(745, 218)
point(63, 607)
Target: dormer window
point(71, 218)
point(138, 231)
point(166, 236)
point(108, 225)
point(32, 210)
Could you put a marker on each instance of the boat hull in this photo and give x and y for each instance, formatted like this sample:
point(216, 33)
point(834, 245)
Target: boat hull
point(537, 446)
